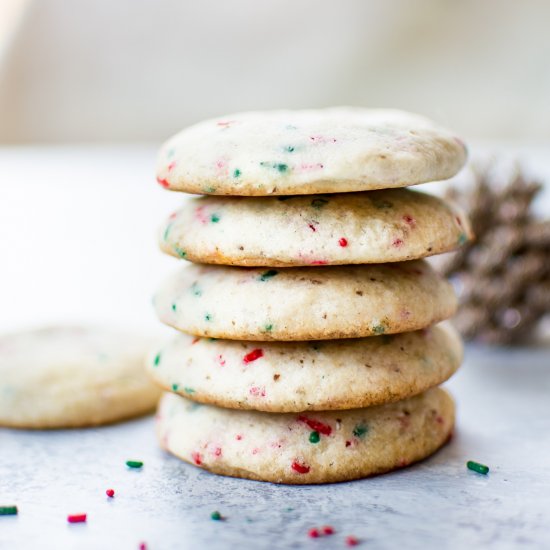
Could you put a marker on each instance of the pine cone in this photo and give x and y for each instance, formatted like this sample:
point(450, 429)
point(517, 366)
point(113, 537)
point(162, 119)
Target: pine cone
point(503, 277)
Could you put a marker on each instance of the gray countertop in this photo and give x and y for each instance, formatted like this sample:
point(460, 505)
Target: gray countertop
point(503, 399)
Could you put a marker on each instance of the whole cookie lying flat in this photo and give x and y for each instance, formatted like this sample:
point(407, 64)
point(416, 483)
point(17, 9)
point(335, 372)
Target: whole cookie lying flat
point(351, 228)
point(63, 377)
point(307, 376)
point(304, 303)
point(317, 447)
point(307, 152)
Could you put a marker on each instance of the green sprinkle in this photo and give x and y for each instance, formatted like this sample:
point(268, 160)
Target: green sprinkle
point(381, 204)
point(318, 203)
point(174, 307)
point(157, 360)
point(378, 329)
point(8, 510)
point(236, 173)
point(477, 467)
point(314, 437)
point(212, 339)
point(462, 239)
point(208, 317)
point(170, 153)
point(360, 430)
point(266, 275)
point(195, 289)
point(175, 387)
point(180, 252)
point(209, 189)
point(268, 328)
point(186, 389)
point(276, 166)
point(289, 149)
point(216, 516)
point(134, 463)
point(215, 218)
point(167, 231)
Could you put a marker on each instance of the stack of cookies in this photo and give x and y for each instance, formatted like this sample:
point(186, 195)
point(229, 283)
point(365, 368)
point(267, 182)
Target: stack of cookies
point(309, 349)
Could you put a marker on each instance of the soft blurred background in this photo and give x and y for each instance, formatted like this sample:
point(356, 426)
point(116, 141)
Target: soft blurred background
point(89, 89)
point(134, 70)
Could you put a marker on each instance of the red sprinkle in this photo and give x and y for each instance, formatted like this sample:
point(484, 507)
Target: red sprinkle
point(343, 242)
point(163, 182)
point(397, 242)
point(300, 468)
point(313, 533)
point(142, 546)
point(76, 518)
point(327, 530)
point(409, 220)
point(218, 451)
point(238, 437)
point(110, 493)
point(253, 355)
point(352, 541)
point(197, 458)
point(312, 227)
point(319, 262)
point(171, 166)
point(324, 429)
point(458, 221)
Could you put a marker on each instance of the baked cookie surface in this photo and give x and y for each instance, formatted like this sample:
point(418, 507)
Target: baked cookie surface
point(307, 376)
point(304, 303)
point(63, 377)
point(308, 152)
point(391, 225)
point(319, 447)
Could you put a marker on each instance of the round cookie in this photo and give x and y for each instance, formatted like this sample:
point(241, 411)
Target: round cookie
point(307, 376)
point(64, 377)
point(391, 225)
point(304, 303)
point(308, 152)
point(317, 447)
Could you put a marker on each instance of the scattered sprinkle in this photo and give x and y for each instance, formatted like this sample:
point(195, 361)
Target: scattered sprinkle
point(174, 307)
point(208, 317)
point(76, 518)
point(197, 458)
point(343, 242)
point(253, 355)
point(360, 430)
point(314, 437)
point(157, 360)
point(187, 389)
point(110, 493)
point(134, 463)
point(397, 243)
point(462, 239)
point(289, 149)
point(142, 546)
point(313, 533)
point(175, 387)
point(8, 510)
point(324, 429)
point(282, 168)
point(216, 516)
point(268, 328)
point(266, 275)
point(236, 173)
point(215, 218)
point(378, 329)
point(180, 252)
point(318, 203)
point(327, 530)
point(477, 467)
point(352, 541)
point(300, 467)
point(163, 182)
